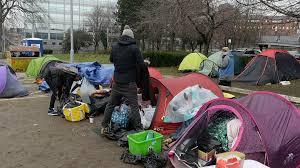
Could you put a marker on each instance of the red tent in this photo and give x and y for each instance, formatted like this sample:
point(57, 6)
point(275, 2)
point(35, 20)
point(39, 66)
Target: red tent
point(167, 88)
point(154, 73)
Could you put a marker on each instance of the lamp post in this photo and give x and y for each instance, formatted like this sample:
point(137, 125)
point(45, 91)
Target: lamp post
point(71, 34)
point(229, 43)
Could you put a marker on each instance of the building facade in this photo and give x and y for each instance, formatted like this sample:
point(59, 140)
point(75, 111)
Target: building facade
point(57, 20)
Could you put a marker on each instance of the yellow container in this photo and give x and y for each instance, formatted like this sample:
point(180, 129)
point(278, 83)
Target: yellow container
point(19, 64)
point(76, 113)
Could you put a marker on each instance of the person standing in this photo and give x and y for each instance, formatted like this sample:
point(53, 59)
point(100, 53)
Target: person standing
point(226, 70)
point(127, 58)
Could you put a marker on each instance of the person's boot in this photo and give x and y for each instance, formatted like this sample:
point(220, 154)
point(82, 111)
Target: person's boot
point(52, 112)
point(104, 131)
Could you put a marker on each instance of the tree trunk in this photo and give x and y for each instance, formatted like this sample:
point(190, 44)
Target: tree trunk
point(172, 41)
point(193, 47)
point(183, 45)
point(143, 43)
point(95, 47)
point(206, 47)
point(157, 45)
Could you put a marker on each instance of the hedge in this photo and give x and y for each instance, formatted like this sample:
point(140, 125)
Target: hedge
point(165, 59)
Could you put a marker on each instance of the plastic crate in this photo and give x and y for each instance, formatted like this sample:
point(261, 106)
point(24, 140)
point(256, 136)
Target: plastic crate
point(138, 145)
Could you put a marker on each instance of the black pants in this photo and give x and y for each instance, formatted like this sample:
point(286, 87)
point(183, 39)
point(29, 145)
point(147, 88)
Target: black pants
point(53, 97)
point(225, 83)
point(128, 91)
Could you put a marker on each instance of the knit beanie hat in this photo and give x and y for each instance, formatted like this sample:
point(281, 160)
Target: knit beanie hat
point(128, 32)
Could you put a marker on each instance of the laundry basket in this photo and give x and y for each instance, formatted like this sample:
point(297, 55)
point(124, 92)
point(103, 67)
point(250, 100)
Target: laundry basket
point(139, 145)
point(75, 112)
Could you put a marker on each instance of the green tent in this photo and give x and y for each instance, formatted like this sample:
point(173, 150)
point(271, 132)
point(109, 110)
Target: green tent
point(192, 62)
point(35, 65)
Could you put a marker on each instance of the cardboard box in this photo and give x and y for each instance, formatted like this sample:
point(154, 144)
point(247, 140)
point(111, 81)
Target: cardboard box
point(206, 156)
point(230, 160)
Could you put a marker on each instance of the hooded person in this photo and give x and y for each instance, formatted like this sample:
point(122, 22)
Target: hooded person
point(60, 79)
point(126, 58)
point(226, 70)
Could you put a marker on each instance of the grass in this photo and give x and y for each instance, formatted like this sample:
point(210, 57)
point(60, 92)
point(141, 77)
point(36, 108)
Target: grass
point(101, 58)
point(169, 71)
point(104, 59)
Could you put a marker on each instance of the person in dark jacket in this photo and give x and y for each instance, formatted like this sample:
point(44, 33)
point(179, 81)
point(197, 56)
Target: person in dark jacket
point(60, 83)
point(126, 58)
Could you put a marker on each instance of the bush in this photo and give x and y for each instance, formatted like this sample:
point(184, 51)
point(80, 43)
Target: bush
point(48, 51)
point(165, 59)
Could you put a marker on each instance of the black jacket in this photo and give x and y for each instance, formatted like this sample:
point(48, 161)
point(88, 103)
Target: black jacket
point(59, 80)
point(126, 58)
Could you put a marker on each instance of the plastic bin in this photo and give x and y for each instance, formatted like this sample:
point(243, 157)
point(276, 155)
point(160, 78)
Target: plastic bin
point(138, 145)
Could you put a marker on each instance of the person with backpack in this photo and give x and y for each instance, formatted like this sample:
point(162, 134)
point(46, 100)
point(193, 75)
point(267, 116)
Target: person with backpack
point(127, 60)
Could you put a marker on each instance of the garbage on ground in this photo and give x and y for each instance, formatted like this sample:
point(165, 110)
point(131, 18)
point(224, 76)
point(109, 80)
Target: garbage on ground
point(151, 160)
point(285, 83)
point(120, 116)
point(147, 116)
point(75, 111)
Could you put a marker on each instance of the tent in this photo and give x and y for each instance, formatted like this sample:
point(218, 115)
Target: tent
point(9, 85)
point(35, 65)
point(154, 73)
point(268, 133)
point(270, 66)
point(167, 88)
point(192, 62)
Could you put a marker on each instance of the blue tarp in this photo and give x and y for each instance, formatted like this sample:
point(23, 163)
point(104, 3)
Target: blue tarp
point(95, 73)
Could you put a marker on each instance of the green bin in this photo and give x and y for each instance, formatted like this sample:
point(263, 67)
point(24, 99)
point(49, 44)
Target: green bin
point(138, 145)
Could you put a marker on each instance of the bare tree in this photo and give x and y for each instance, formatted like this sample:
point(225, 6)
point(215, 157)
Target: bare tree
point(15, 8)
point(286, 7)
point(99, 21)
point(206, 16)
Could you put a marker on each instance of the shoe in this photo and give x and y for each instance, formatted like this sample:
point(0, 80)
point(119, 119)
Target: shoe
point(104, 131)
point(52, 112)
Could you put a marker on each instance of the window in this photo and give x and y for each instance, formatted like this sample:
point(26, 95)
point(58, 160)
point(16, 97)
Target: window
point(45, 43)
point(53, 43)
point(53, 36)
point(60, 36)
point(60, 43)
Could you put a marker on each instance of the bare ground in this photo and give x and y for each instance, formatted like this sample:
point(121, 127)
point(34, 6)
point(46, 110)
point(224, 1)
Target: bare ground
point(31, 139)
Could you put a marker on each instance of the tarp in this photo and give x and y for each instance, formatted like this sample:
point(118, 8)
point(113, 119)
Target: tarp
point(95, 73)
point(9, 85)
point(186, 104)
point(192, 62)
point(35, 65)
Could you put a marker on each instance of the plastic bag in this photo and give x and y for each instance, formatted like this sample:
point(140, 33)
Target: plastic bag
point(86, 90)
point(186, 104)
point(120, 116)
point(147, 116)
